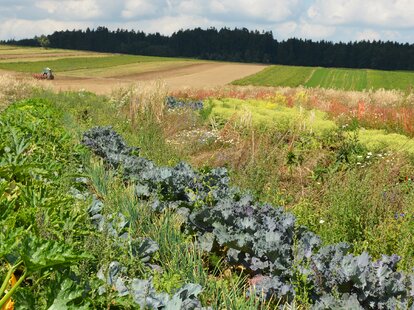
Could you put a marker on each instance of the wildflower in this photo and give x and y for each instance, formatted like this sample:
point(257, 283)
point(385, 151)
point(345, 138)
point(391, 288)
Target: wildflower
point(321, 221)
point(398, 215)
point(9, 305)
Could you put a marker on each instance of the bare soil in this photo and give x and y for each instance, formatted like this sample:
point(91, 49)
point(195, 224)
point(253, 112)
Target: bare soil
point(201, 75)
point(190, 76)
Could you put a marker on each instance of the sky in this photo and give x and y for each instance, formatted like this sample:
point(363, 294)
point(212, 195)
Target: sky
point(333, 20)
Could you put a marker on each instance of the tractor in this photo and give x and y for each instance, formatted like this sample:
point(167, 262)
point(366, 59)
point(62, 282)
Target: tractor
point(46, 74)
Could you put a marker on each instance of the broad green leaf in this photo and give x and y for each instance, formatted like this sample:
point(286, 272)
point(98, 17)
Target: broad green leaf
point(68, 294)
point(39, 254)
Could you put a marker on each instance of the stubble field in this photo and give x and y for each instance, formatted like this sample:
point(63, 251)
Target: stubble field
point(100, 73)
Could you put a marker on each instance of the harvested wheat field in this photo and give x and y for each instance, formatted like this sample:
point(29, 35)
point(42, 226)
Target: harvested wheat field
point(101, 72)
point(176, 77)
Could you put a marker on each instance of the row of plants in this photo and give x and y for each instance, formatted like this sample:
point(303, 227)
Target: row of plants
point(282, 259)
point(66, 243)
point(291, 168)
point(41, 225)
point(81, 110)
point(387, 110)
point(45, 262)
point(334, 182)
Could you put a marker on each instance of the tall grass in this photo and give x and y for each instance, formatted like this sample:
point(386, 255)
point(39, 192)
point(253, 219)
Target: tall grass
point(13, 89)
point(141, 99)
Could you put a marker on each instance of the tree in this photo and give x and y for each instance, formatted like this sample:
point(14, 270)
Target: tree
point(43, 41)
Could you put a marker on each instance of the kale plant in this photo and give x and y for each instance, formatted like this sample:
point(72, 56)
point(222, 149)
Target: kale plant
point(179, 186)
point(373, 284)
point(143, 293)
point(263, 239)
point(174, 103)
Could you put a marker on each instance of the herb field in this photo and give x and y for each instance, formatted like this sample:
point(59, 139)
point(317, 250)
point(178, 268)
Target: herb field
point(345, 79)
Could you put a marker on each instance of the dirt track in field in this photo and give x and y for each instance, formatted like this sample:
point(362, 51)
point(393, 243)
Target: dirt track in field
point(201, 75)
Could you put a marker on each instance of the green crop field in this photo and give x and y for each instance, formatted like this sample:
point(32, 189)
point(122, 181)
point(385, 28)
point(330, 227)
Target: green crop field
point(82, 63)
point(347, 79)
point(336, 78)
point(78, 63)
point(278, 76)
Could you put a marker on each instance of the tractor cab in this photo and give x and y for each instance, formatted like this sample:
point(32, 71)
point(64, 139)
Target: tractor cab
point(48, 74)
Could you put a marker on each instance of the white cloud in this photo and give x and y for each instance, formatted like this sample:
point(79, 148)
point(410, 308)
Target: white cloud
point(285, 30)
point(20, 28)
point(259, 10)
point(139, 8)
point(168, 25)
point(315, 31)
point(315, 19)
point(368, 35)
point(71, 9)
point(380, 13)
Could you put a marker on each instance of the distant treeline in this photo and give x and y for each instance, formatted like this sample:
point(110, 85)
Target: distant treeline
point(236, 45)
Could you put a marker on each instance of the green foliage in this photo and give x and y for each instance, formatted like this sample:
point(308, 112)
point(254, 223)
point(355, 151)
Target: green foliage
point(43, 41)
point(261, 238)
point(346, 193)
point(38, 162)
point(83, 110)
point(179, 259)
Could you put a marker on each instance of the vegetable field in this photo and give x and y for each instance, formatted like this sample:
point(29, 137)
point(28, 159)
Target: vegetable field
point(145, 200)
point(345, 79)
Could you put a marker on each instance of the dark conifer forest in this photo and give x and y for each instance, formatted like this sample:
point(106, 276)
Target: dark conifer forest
point(239, 44)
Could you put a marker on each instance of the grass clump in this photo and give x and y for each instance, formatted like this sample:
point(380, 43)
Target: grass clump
point(12, 90)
